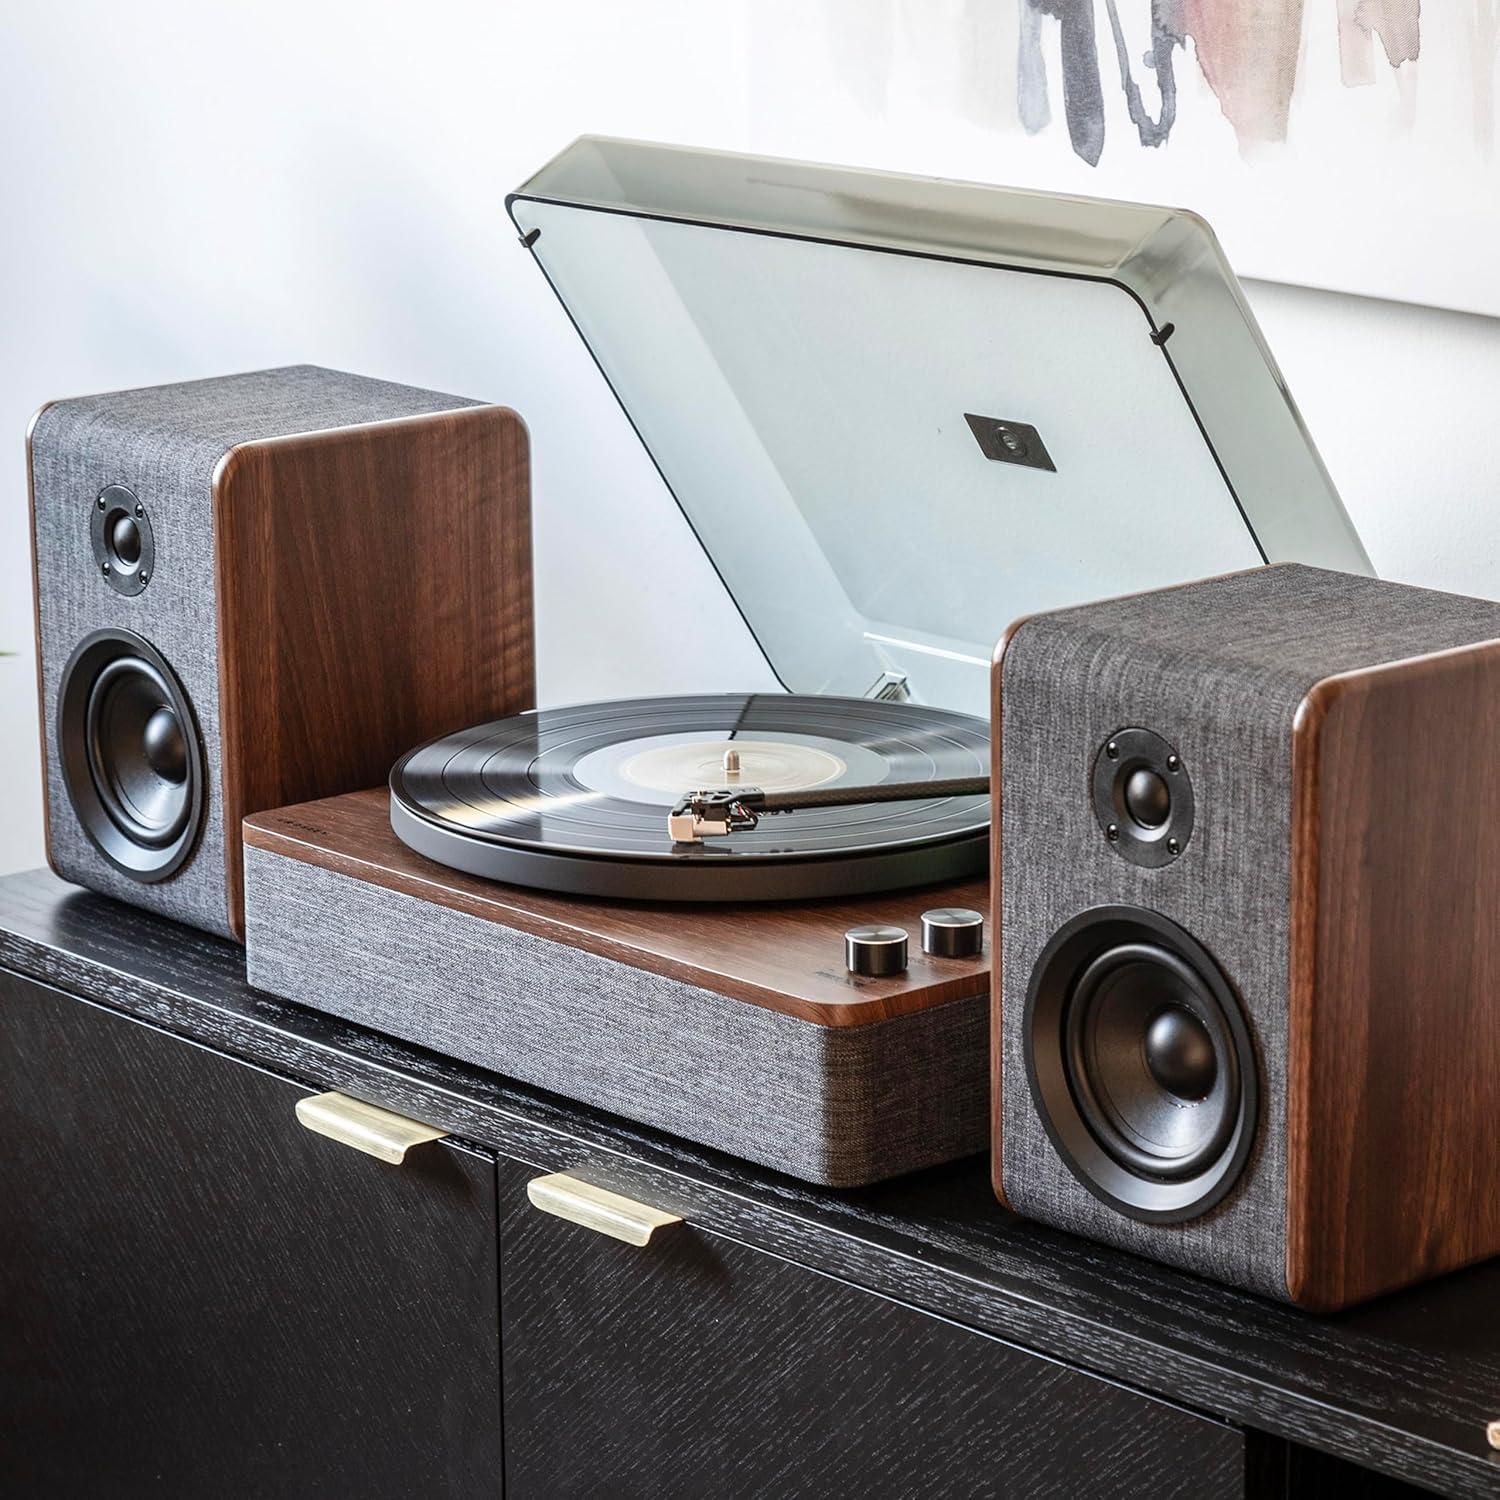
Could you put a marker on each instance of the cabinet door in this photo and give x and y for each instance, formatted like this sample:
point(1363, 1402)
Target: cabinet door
point(199, 1297)
point(697, 1366)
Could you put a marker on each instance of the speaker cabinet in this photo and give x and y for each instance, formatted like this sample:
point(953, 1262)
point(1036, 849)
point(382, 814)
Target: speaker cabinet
point(257, 590)
point(1247, 881)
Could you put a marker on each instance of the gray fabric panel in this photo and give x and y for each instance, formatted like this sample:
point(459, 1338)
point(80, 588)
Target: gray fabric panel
point(163, 443)
point(1218, 669)
point(1289, 623)
point(835, 1105)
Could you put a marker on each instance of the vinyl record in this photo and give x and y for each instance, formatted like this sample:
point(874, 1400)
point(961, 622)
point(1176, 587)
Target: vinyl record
point(576, 799)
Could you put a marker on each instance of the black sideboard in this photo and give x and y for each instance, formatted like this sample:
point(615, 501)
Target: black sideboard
point(198, 1295)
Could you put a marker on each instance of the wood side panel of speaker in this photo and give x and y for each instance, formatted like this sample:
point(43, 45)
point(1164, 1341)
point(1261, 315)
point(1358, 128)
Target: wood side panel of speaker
point(375, 590)
point(1394, 1087)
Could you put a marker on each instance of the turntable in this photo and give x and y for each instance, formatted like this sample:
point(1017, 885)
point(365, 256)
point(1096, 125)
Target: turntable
point(580, 799)
point(898, 415)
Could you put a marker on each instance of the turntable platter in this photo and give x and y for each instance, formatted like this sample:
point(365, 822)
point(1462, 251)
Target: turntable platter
point(575, 799)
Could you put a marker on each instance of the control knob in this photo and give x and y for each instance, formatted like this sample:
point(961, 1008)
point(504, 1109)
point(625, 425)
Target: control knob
point(952, 932)
point(876, 951)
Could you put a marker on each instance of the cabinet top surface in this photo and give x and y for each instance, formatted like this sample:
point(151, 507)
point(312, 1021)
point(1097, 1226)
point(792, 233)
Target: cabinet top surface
point(1406, 1384)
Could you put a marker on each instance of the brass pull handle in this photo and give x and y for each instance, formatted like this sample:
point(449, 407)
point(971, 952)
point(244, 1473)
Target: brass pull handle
point(597, 1208)
point(377, 1132)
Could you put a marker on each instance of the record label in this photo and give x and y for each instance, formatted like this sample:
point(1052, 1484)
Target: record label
point(788, 765)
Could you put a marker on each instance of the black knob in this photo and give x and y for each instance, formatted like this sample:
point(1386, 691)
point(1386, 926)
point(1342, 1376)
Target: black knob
point(1147, 799)
point(952, 932)
point(876, 951)
point(1180, 1054)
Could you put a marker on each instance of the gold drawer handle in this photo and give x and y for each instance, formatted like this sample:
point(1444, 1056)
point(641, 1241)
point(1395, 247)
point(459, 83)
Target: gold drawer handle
point(597, 1208)
point(368, 1128)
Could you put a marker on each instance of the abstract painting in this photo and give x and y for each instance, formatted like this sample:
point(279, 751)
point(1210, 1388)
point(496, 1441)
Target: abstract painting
point(1248, 55)
point(1349, 144)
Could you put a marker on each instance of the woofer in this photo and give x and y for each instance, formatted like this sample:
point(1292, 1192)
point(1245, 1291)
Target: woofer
point(130, 754)
point(1140, 1063)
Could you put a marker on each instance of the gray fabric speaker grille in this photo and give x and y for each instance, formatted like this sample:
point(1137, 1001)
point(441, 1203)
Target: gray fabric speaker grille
point(835, 1105)
point(163, 443)
point(1218, 669)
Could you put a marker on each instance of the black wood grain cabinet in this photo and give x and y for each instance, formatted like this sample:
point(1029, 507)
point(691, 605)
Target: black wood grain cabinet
point(699, 1366)
point(199, 1297)
point(198, 1293)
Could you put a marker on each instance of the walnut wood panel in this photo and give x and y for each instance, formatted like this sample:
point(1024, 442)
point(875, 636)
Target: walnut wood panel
point(375, 591)
point(788, 957)
point(199, 1297)
point(1393, 1150)
point(698, 1366)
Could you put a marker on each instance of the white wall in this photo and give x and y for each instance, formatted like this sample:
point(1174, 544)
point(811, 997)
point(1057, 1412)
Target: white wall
point(187, 190)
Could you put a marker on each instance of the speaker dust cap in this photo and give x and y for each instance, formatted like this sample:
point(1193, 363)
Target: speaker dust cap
point(900, 413)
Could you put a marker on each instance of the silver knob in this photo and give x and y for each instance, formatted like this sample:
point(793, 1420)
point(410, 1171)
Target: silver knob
point(875, 951)
point(952, 932)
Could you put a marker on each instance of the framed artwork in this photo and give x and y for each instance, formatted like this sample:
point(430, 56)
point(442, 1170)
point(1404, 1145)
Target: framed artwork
point(1347, 144)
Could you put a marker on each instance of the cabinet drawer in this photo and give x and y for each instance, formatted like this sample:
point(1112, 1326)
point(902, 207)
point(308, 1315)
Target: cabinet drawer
point(697, 1366)
point(200, 1297)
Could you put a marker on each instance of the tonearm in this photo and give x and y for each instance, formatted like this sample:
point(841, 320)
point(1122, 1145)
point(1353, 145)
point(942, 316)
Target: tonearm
point(720, 811)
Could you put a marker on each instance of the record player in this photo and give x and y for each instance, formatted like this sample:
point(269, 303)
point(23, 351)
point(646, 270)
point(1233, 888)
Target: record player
point(898, 415)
